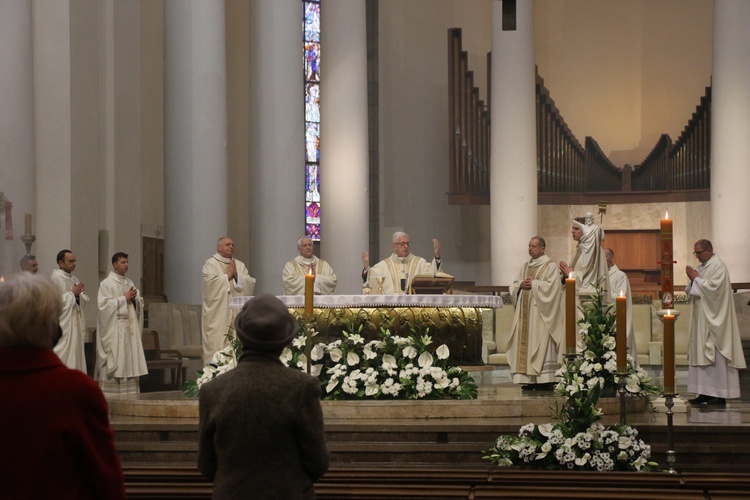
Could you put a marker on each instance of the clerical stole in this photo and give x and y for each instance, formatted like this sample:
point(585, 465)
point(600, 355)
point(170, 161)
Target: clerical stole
point(524, 302)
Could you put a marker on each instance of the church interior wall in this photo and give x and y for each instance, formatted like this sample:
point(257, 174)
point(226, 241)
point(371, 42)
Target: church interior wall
point(414, 136)
point(81, 162)
point(625, 72)
point(622, 73)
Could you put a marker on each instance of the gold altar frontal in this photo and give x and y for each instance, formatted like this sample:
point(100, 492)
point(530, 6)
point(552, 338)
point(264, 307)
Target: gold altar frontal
point(460, 328)
point(454, 320)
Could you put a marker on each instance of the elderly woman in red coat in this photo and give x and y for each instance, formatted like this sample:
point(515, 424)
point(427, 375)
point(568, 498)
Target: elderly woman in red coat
point(56, 441)
point(261, 424)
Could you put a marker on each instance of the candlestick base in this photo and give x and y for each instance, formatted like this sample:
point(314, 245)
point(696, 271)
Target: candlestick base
point(570, 357)
point(28, 240)
point(671, 455)
point(678, 404)
point(309, 333)
point(621, 379)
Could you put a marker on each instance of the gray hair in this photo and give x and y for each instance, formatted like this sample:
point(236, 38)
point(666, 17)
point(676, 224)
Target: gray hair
point(30, 309)
point(303, 238)
point(399, 234)
point(26, 259)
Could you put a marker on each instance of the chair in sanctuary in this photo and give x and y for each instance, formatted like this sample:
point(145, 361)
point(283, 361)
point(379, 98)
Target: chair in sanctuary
point(159, 361)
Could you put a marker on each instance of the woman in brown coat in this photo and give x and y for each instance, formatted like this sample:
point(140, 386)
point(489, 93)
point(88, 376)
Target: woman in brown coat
point(261, 424)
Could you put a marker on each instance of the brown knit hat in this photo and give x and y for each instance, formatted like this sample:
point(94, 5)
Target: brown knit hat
point(264, 324)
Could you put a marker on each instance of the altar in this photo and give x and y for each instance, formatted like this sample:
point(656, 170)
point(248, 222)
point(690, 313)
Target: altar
point(454, 320)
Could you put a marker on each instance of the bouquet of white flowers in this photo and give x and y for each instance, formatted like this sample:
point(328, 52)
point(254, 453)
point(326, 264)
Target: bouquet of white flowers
point(576, 441)
point(390, 367)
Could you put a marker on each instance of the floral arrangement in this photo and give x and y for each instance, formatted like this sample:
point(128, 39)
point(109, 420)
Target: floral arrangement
point(390, 367)
point(575, 440)
point(221, 362)
point(597, 364)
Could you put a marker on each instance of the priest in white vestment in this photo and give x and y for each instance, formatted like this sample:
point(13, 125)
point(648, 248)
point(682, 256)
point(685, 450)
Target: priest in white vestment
point(589, 266)
point(715, 349)
point(120, 360)
point(224, 277)
point(619, 282)
point(534, 346)
point(72, 321)
point(307, 263)
point(395, 274)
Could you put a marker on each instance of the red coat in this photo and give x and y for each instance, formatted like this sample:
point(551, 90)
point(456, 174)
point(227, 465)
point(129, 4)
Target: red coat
point(55, 437)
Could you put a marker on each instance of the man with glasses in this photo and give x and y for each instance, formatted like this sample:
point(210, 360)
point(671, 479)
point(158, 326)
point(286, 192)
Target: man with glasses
point(397, 271)
point(715, 349)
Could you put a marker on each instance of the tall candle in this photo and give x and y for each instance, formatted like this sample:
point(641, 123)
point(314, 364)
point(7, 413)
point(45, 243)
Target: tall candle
point(27, 225)
point(669, 368)
point(667, 279)
point(621, 333)
point(309, 291)
point(570, 315)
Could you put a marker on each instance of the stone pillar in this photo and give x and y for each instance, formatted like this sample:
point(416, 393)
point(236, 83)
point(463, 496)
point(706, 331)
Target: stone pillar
point(120, 137)
point(730, 123)
point(276, 139)
point(71, 156)
point(513, 162)
point(17, 124)
point(195, 170)
point(344, 147)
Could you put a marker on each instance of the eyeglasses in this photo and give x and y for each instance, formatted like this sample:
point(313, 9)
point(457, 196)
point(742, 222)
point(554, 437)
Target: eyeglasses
point(403, 243)
point(699, 252)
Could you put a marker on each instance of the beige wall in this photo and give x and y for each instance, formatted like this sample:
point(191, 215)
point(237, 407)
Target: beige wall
point(625, 72)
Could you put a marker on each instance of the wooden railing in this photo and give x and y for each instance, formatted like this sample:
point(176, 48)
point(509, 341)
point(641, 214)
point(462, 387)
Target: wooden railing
point(564, 166)
point(469, 128)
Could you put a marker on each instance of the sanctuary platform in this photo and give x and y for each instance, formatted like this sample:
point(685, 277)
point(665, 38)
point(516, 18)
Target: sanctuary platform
point(161, 428)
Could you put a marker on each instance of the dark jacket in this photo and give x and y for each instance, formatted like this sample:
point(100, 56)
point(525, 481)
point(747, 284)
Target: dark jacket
point(261, 431)
point(55, 441)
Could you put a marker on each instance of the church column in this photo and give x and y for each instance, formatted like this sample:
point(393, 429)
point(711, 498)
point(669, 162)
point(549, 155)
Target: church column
point(344, 145)
point(276, 139)
point(69, 109)
point(730, 149)
point(513, 184)
point(120, 129)
point(17, 123)
point(195, 170)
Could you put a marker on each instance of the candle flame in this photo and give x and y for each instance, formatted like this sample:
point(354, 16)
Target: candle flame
point(622, 294)
point(570, 275)
point(666, 214)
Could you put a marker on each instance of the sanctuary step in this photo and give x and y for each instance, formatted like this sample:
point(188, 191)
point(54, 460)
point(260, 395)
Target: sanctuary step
point(455, 443)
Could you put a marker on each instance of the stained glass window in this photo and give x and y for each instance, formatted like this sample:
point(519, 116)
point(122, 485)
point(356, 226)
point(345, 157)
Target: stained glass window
point(311, 52)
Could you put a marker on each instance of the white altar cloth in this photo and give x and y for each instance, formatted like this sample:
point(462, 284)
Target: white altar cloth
point(401, 300)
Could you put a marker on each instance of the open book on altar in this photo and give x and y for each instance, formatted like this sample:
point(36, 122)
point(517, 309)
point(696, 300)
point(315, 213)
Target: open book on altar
point(434, 284)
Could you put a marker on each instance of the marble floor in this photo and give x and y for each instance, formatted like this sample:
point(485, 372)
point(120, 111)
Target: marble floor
point(494, 383)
